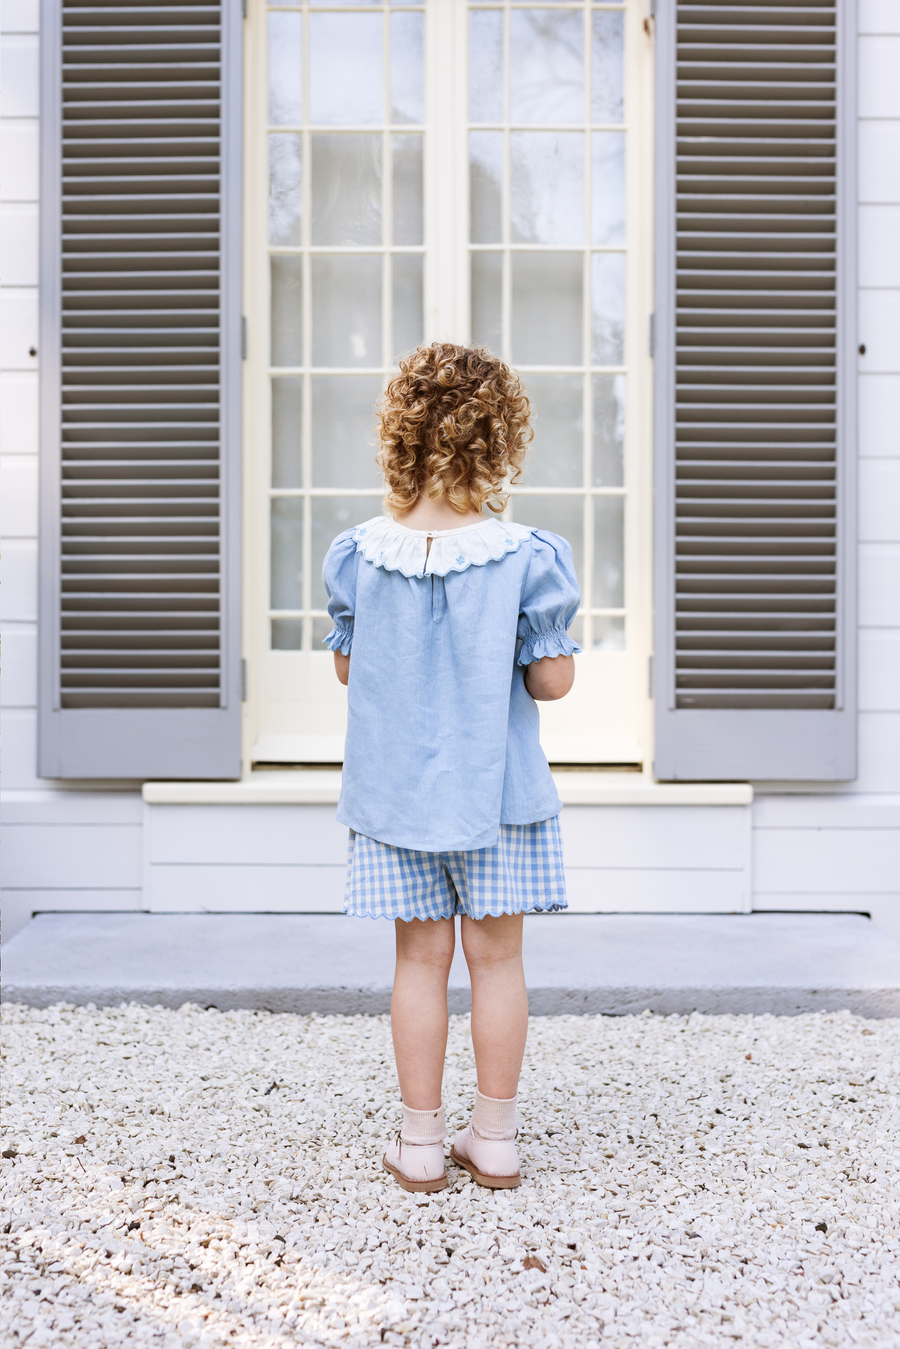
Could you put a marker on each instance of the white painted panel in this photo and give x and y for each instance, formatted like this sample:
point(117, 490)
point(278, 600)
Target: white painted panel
point(879, 415)
point(19, 76)
point(824, 810)
point(591, 890)
point(879, 752)
point(18, 687)
point(879, 256)
point(19, 244)
point(250, 835)
point(879, 585)
point(879, 329)
point(18, 329)
point(644, 837)
point(19, 571)
point(879, 16)
point(884, 910)
point(71, 806)
point(826, 860)
point(19, 161)
point(879, 670)
point(19, 16)
point(60, 856)
point(245, 889)
point(19, 496)
point(18, 907)
point(879, 496)
point(20, 750)
point(879, 76)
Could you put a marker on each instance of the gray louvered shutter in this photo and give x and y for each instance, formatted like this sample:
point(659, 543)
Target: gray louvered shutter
point(755, 391)
point(140, 355)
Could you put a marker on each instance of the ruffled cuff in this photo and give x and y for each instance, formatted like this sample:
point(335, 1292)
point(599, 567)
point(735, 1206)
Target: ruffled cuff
point(340, 638)
point(537, 645)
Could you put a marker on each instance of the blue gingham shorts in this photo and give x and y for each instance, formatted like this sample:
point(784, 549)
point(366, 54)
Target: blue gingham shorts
point(521, 873)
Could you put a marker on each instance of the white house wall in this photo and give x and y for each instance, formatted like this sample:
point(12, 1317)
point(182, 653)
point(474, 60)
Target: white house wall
point(812, 847)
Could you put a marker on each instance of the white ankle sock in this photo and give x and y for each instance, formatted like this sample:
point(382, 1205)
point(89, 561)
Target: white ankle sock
point(423, 1126)
point(493, 1118)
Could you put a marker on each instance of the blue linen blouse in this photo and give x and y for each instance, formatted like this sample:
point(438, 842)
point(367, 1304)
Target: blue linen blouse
point(442, 735)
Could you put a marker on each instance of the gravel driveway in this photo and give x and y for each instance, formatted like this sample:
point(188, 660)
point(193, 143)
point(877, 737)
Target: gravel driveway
point(201, 1178)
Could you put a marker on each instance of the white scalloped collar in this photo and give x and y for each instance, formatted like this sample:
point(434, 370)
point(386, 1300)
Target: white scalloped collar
point(388, 544)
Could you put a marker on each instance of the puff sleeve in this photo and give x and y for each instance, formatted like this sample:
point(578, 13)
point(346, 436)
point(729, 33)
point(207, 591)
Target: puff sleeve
point(339, 573)
point(550, 598)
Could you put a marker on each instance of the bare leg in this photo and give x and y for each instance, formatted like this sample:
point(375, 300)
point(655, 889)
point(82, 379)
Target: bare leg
point(493, 950)
point(419, 1008)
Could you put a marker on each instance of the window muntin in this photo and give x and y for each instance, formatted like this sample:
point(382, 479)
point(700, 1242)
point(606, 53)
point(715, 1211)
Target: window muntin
point(548, 269)
point(346, 274)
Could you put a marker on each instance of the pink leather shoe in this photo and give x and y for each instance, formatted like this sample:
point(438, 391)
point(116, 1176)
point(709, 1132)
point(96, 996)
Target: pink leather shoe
point(490, 1163)
point(418, 1167)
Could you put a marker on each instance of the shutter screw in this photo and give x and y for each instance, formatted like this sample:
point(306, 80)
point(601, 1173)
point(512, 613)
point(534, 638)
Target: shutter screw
point(862, 348)
point(32, 351)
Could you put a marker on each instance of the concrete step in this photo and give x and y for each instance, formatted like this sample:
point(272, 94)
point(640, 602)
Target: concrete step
point(612, 963)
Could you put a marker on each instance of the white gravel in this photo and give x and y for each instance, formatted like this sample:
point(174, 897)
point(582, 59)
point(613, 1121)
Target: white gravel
point(689, 1181)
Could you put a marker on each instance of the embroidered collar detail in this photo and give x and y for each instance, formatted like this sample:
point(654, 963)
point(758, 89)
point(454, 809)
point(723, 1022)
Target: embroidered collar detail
point(392, 546)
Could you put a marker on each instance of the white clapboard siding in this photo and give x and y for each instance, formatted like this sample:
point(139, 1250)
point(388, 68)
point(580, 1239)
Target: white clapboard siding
point(756, 486)
point(145, 331)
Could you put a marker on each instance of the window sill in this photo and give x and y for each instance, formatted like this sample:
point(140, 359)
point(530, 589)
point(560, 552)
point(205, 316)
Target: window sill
point(322, 787)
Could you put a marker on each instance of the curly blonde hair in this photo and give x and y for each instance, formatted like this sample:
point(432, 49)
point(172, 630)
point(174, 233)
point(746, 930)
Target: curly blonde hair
point(454, 422)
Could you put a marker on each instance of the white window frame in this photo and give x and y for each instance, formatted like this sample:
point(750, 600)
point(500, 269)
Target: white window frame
point(608, 718)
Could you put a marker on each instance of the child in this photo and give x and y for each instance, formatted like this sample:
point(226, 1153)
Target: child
point(457, 622)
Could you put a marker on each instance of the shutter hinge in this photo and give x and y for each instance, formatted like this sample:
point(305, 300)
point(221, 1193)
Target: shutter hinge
point(652, 8)
point(244, 5)
point(243, 679)
point(243, 337)
point(650, 677)
point(652, 335)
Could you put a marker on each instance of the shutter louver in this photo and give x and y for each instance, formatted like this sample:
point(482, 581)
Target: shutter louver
point(757, 335)
point(145, 389)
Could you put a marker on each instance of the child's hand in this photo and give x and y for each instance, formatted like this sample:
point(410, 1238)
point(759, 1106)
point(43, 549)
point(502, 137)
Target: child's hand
point(342, 666)
point(550, 678)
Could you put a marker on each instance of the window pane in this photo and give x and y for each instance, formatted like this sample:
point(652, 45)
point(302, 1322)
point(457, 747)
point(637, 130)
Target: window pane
point(320, 630)
point(287, 634)
point(556, 458)
point(608, 188)
point(330, 516)
point(287, 311)
point(343, 430)
point(487, 280)
point(561, 515)
point(287, 553)
point(485, 66)
point(408, 204)
point(609, 634)
point(607, 74)
point(609, 552)
point(546, 308)
point(345, 69)
point(547, 67)
point(408, 302)
point(546, 187)
point(609, 430)
point(346, 310)
point(287, 423)
point(346, 189)
point(485, 179)
point(608, 308)
point(285, 69)
point(285, 188)
point(407, 68)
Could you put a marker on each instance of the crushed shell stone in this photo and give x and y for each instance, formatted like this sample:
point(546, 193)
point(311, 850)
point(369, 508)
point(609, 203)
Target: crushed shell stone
point(688, 1181)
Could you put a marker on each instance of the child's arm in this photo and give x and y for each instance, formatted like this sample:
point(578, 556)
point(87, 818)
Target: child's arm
point(547, 679)
point(342, 667)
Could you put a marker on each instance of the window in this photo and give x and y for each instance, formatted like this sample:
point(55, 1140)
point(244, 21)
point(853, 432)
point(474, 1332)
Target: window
point(478, 172)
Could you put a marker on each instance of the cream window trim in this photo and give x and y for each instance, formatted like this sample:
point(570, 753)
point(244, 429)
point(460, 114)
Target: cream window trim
point(307, 788)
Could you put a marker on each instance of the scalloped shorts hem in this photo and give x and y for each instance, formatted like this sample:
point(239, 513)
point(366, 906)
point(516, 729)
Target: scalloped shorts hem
point(521, 873)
